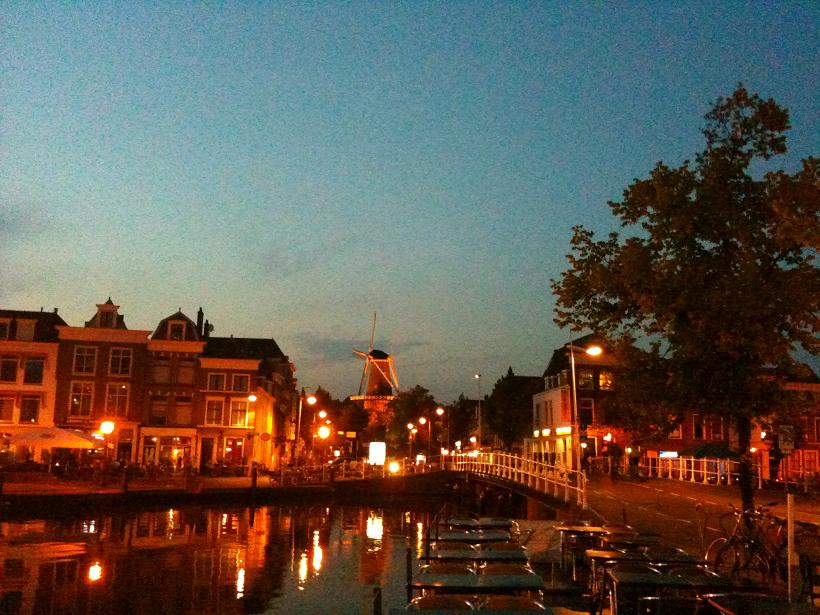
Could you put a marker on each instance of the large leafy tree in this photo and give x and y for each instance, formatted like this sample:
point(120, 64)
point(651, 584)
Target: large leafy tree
point(508, 411)
point(407, 407)
point(718, 272)
point(462, 418)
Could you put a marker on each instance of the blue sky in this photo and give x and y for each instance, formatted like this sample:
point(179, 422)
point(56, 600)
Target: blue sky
point(295, 167)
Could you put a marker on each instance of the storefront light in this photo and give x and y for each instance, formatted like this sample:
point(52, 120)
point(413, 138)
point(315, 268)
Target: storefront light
point(95, 572)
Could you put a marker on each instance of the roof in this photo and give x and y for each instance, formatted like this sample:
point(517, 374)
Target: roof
point(379, 355)
point(560, 356)
point(242, 348)
point(191, 333)
point(47, 322)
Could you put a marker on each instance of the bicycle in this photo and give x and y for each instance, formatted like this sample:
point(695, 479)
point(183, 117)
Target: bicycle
point(755, 547)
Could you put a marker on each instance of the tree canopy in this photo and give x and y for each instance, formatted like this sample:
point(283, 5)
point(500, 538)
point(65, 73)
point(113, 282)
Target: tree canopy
point(716, 283)
point(508, 409)
point(406, 408)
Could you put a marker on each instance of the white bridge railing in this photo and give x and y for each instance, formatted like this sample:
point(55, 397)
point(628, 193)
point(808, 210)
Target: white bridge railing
point(553, 480)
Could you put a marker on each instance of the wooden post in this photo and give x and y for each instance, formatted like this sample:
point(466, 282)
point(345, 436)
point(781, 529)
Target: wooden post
point(408, 576)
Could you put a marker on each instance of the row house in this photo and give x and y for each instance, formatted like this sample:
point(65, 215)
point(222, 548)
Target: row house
point(177, 396)
point(28, 367)
point(553, 406)
point(553, 419)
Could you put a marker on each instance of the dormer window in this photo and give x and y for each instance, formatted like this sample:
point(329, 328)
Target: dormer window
point(107, 320)
point(4, 329)
point(176, 330)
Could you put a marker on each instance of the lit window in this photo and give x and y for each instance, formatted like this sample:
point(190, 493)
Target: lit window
point(239, 413)
point(85, 360)
point(116, 399)
point(213, 412)
point(29, 410)
point(605, 380)
point(82, 397)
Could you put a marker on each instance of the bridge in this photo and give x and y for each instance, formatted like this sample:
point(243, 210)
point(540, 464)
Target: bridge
point(513, 471)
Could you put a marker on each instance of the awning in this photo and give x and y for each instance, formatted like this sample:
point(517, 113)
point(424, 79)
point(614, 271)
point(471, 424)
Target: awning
point(54, 437)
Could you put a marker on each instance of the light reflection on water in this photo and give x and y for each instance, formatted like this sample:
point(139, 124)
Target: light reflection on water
point(207, 561)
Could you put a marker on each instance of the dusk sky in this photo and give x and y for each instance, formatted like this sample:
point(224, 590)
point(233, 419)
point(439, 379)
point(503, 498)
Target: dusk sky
point(294, 168)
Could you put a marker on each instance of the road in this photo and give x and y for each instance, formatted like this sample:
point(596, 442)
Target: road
point(670, 508)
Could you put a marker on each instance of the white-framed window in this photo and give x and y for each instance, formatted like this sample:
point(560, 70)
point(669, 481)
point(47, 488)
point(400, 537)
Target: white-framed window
point(586, 409)
point(550, 417)
point(241, 382)
point(119, 364)
point(25, 330)
point(85, 359)
point(213, 411)
point(583, 378)
point(8, 368)
point(216, 382)
point(176, 330)
point(4, 329)
point(33, 370)
point(239, 413)
point(82, 398)
point(30, 409)
point(116, 399)
point(6, 409)
point(605, 380)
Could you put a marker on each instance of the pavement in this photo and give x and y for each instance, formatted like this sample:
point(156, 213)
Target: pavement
point(686, 514)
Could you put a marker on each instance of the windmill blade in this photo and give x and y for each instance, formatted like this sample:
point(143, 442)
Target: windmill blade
point(366, 358)
point(372, 333)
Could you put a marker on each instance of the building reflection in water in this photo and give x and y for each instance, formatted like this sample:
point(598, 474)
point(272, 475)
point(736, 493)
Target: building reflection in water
point(203, 561)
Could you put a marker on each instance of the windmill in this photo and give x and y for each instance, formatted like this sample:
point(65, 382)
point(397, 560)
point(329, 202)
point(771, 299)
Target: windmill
point(379, 383)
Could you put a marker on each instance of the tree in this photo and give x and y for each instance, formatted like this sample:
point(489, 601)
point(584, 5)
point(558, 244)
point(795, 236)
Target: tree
point(462, 418)
point(508, 411)
point(406, 408)
point(718, 275)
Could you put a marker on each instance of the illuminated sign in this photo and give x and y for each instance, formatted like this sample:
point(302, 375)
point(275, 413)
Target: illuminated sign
point(669, 454)
point(378, 453)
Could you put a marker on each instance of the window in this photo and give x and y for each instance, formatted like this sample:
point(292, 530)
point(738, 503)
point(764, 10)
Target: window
point(159, 409)
point(176, 330)
point(25, 330)
point(161, 371)
point(8, 369)
point(6, 409)
point(82, 396)
point(85, 360)
point(216, 382)
point(550, 418)
point(585, 412)
point(675, 434)
point(107, 319)
point(716, 425)
point(213, 412)
point(33, 372)
point(120, 362)
point(239, 413)
point(605, 380)
point(697, 427)
point(537, 415)
point(583, 377)
point(29, 410)
point(4, 330)
point(185, 373)
point(116, 399)
point(241, 382)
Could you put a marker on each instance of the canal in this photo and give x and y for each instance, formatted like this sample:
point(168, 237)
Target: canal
point(296, 559)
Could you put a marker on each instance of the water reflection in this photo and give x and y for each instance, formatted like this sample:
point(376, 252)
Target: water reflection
point(197, 560)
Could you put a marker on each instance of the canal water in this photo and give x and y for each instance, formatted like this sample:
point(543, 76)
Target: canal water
point(273, 559)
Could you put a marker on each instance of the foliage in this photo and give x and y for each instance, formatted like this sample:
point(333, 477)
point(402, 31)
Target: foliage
point(462, 416)
point(508, 409)
point(406, 408)
point(718, 273)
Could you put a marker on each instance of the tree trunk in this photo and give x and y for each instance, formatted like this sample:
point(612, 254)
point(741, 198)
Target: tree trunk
point(746, 479)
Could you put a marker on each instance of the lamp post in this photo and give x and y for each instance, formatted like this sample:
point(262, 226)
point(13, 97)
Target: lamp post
point(422, 421)
point(310, 399)
point(440, 413)
point(593, 351)
point(478, 378)
point(412, 429)
point(106, 429)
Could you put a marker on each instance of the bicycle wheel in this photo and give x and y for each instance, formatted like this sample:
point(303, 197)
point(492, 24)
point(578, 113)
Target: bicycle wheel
point(728, 560)
point(712, 551)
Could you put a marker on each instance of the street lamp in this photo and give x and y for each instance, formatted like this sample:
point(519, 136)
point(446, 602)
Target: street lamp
point(412, 429)
point(422, 421)
point(592, 351)
point(311, 399)
point(478, 378)
point(106, 429)
point(440, 412)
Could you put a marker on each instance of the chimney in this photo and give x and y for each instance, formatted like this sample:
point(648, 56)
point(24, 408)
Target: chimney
point(208, 329)
point(199, 316)
point(55, 310)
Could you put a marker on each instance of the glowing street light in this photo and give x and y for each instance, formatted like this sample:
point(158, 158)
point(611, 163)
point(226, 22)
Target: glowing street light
point(323, 432)
point(592, 351)
point(311, 400)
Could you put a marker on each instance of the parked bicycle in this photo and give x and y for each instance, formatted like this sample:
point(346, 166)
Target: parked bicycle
point(753, 546)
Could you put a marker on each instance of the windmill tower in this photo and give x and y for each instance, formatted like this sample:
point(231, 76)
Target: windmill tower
point(379, 383)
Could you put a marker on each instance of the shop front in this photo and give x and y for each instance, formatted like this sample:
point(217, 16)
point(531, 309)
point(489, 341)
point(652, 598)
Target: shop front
point(172, 449)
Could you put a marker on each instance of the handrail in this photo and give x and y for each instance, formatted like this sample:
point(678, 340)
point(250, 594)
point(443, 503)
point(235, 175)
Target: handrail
point(555, 480)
